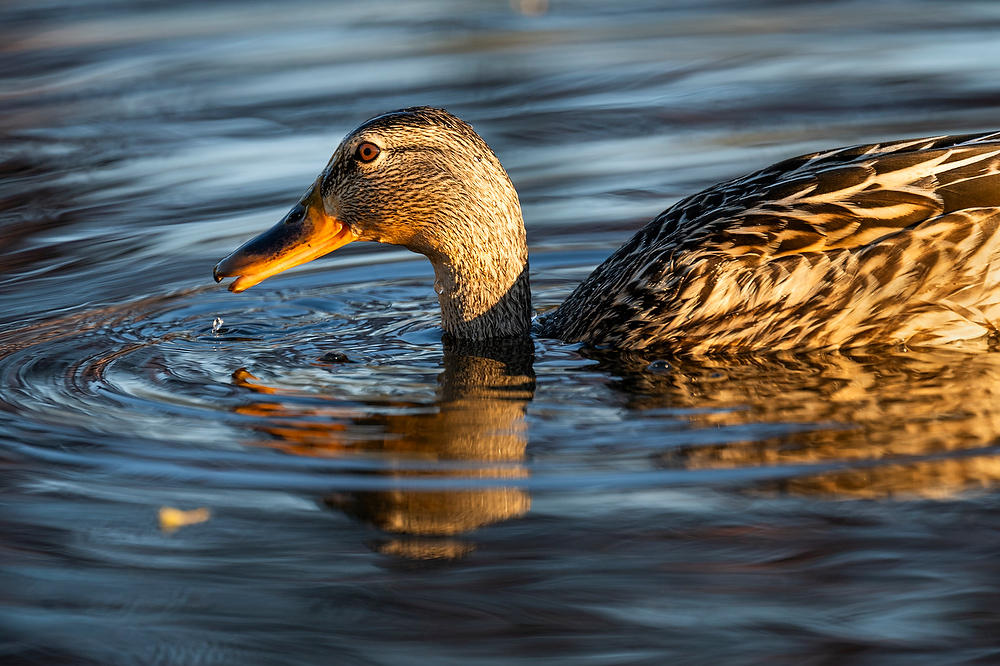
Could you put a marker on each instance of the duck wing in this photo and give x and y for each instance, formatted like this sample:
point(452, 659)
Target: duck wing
point(876, 243)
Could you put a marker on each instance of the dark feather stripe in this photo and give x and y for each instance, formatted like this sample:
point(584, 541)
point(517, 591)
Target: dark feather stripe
point(862, 244)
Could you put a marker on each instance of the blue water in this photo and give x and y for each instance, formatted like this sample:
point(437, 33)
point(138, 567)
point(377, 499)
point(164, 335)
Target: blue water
point(376, 497)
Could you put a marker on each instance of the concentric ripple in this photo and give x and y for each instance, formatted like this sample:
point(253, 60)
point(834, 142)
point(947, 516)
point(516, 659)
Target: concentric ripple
point(316, 388)
point(154, 368)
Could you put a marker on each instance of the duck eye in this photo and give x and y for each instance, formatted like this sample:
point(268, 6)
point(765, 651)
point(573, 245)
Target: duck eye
point(366, 152)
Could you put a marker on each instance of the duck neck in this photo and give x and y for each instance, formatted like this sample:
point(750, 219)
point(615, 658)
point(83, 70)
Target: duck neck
point(483, 286)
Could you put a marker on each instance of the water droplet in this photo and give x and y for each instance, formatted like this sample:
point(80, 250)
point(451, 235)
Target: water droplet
point(216, 325)
point(438, 287)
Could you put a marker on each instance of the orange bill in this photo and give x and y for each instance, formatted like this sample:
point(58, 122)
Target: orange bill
point(304, 234)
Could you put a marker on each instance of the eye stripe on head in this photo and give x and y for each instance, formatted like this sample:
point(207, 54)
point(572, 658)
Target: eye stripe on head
point(367, 151)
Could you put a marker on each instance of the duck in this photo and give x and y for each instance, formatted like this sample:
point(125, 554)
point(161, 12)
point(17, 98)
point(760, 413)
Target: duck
point(890, 243)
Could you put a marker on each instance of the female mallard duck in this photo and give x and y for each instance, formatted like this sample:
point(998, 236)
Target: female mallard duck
point(892, 243)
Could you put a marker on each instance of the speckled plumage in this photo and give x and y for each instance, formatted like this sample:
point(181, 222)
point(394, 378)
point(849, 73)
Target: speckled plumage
point(893, 243)
point(884, 243)
point(439, 190)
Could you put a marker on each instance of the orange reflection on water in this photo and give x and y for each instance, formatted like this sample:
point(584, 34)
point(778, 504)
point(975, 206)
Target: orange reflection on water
point(892, 423)
point(477, 418)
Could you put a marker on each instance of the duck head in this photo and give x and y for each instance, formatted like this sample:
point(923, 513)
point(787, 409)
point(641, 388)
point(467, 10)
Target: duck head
point(423, 179)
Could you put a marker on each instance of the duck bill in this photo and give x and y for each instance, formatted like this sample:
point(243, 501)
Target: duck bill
point(304, 234)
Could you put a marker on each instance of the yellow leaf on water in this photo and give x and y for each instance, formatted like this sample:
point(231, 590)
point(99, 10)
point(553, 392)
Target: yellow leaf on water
point(172, 519)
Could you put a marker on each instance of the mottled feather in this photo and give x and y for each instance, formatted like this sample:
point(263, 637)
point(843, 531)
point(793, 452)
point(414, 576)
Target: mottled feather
point(890, 243)
point(884, 243)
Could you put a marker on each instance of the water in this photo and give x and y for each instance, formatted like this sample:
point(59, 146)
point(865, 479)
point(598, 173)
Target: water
point(374, 497)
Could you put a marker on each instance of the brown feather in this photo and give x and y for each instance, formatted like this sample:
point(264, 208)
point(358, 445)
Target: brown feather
point(887, 243)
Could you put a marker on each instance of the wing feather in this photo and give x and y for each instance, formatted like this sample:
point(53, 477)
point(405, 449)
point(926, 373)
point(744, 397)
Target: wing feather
point(823, 232)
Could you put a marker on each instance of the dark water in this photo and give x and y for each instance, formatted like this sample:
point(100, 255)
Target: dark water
point(422, 504)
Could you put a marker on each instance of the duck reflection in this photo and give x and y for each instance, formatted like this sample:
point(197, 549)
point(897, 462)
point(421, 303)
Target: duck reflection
point(892, 423)
point(475, 427)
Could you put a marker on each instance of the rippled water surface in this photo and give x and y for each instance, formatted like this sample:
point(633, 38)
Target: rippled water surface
point(374, 496)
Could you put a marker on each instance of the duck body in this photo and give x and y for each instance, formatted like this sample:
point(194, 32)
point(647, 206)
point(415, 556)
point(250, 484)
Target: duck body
point(892, 243)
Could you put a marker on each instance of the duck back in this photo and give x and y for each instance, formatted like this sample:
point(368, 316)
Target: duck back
point(891, 243)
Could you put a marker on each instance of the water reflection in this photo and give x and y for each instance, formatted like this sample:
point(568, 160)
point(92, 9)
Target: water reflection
point(474, 429)
point(892, 423)
point(142, 140)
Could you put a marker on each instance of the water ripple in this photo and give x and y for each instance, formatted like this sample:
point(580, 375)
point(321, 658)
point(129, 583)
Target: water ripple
point(375, 494)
